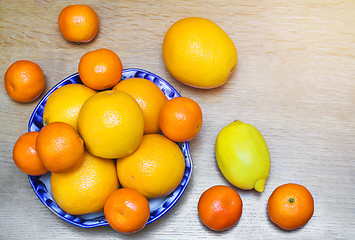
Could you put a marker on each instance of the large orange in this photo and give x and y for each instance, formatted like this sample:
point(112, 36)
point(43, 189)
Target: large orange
point(180, 119)
point(25, 155)
point(220, 207)
point(198, 53)
point(155, 168)
point(149, 97)
point(126, 210)
point(78, 23)
point(85, 189)
point(111, 124)
point(100, 69)
point(64, 104)
point(24, 81)
point(60, 147)
point(290, 206)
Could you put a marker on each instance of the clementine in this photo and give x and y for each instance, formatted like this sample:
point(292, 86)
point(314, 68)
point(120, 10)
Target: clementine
point(180, 119)
point(127, 210)
point(100, 69)
point(25, 155)
point(78, 23)
point(60, 147)
point(220, 207)
point(24, 81)
point(290, 206)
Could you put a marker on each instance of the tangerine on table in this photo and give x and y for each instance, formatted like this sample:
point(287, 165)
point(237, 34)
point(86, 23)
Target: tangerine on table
point(155, 168)
point(290, 206)
point(127, 210)
point(25, 155)
point(64, 104)
point(100, 69)
point(220, 207)
point(60, 147)
point(85, 189)
point(78, 23)
point(180, 119)
point(24, 81)
point(149, 97)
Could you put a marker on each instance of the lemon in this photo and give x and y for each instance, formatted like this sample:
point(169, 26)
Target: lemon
point(243, 156)
point(198, 53)
point(111, 124)
point(64, 104)
point(86, 189)
point(155, 169)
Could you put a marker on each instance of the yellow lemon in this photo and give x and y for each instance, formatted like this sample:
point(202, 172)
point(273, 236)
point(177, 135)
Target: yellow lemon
point(111, 124)
point(198, 53)
point(86, 189)
point(243, 156)
point(64, 104)
point(149, 97)
point(155, 169)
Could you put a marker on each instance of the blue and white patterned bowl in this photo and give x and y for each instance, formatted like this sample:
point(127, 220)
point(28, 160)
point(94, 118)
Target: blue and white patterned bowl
point(158, 207)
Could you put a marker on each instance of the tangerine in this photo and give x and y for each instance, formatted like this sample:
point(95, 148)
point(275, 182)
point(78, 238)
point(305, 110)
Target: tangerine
point(100, 69)
point(78, 23)
point(180, 119)
point(290, 206)
point(24, 81)
point(127, 210)
point(60, 147)
point(220, 207)
point(25, 155)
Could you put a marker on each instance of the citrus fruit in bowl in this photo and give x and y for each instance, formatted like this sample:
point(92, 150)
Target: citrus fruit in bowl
point(158, 206)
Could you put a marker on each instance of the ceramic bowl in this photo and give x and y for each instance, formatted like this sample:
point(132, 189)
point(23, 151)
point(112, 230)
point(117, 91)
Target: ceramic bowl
point(158, 207)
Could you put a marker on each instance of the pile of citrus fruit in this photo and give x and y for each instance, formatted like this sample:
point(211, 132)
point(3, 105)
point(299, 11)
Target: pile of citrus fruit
point(110, 144)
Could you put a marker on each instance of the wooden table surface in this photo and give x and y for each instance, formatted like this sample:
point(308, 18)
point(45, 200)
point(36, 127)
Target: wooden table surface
point(295, 82)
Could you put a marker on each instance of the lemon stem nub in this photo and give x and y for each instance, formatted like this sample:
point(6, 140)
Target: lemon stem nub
point(260, 185)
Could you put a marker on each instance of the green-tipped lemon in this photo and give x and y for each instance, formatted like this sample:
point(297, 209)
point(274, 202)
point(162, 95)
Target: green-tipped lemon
point(243, 156)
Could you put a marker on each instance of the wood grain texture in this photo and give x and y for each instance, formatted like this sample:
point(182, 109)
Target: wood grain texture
point(294, 82)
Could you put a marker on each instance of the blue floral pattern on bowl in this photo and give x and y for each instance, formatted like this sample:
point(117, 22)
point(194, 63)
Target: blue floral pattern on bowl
point(158, 207)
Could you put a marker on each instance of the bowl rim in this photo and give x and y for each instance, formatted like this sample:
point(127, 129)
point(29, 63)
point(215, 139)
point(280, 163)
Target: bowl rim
point(76, 219)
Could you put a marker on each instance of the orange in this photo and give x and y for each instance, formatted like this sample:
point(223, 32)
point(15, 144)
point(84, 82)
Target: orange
point(24, 81)
point(78, 23)
point(25, 155)
point(85, 189)
point(64, 104)
point(155, 169)
point(220, 207)
point(180, 119)
point(60, 147)
point(111, 124)
point(198, 53)
point(149, 97)
point(100, 69)
point(126, 210)
point(290, 206)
